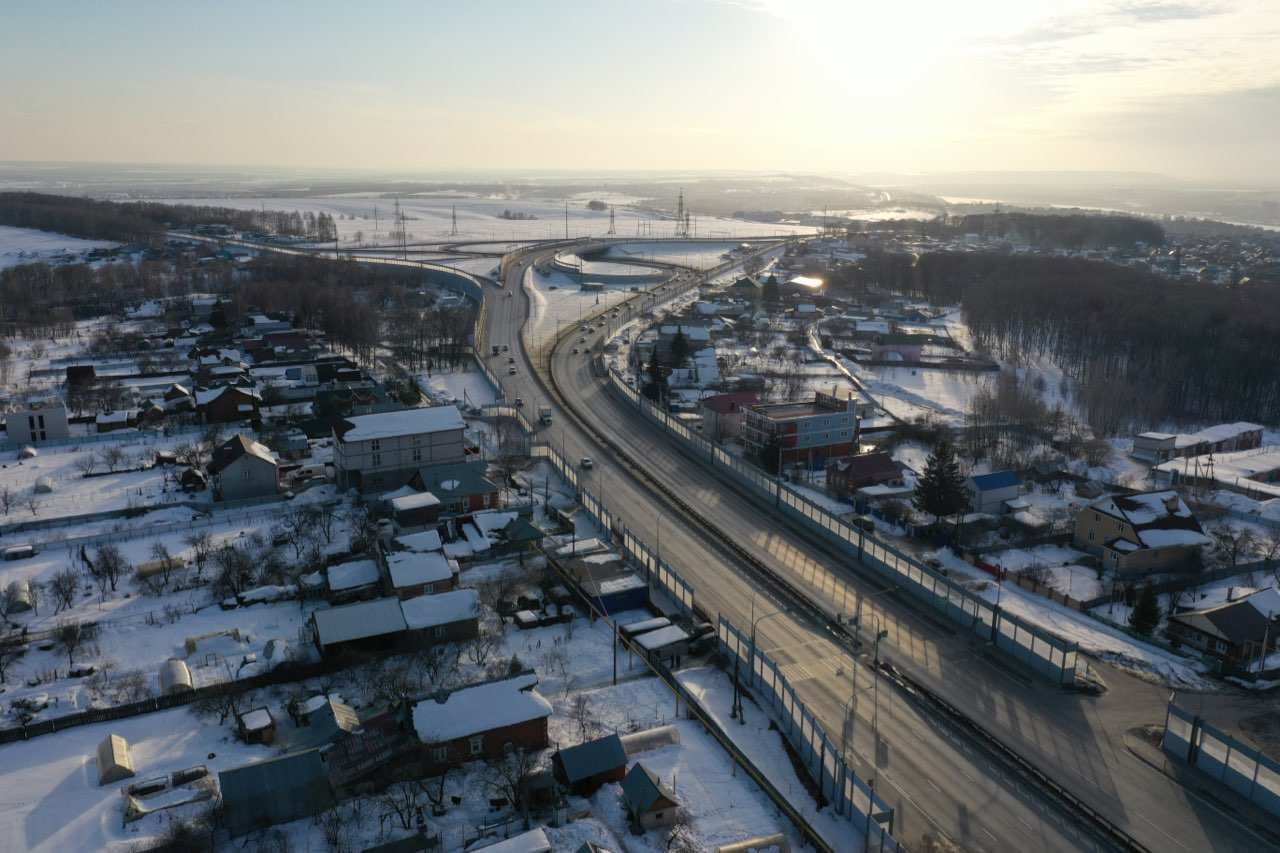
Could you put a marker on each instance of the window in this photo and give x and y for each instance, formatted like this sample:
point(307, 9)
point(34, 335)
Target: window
point(377, 459)
point(440, 754)
point(417, 455)
point(246, 474)
point(477, 745)
point(438, 632)
point(376, 444)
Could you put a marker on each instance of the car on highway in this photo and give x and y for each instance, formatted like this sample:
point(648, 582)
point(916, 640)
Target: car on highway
point(575, 350)
point(519, 402)
point(511, 371)
point(586, 462)
point(511, 359)
point(582, 340)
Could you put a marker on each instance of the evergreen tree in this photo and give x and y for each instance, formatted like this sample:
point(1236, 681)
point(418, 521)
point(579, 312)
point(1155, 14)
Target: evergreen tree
point(656, 386)
point(1146, 613)
point(771, 456)
point(771, 292)
point(679, 348)
point(940, 490)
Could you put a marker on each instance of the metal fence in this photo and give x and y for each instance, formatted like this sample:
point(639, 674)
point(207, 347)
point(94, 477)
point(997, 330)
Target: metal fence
point(1240, 767)
point(850, 796)
point(1047, 654)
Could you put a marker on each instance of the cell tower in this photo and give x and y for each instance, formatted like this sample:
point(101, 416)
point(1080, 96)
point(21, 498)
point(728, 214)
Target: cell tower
point(453, 230)
point(613, 229)
point(682, 217)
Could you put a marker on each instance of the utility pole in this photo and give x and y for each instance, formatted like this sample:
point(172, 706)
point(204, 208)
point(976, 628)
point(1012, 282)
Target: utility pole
point(612, 227)
point(566, 219)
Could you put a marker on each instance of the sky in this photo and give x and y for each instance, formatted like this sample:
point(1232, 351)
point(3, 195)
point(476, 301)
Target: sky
point(1189, 89)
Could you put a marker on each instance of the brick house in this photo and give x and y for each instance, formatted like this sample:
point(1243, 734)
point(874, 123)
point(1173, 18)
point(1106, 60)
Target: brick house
point(228, 404)
point(722, 413)
point(461, 488)
point(1140, 534)
point(480, 721)
point(845, 476)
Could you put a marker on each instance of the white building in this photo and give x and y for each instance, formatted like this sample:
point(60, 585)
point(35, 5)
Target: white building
point(34, 422)
point(381, 452)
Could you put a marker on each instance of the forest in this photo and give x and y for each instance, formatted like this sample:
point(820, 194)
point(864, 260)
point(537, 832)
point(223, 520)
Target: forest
point(141, 221)
point(1140, 350)
point(1043, 230)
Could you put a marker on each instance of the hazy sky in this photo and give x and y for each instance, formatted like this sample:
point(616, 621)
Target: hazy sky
point(1189, 88)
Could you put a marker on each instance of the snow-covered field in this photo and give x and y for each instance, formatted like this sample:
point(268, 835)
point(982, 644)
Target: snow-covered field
point(698, 255)
point(557, 300)
point(430, 218)
point(29, 245)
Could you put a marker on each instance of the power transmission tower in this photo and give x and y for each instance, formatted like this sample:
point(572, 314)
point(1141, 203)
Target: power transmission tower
point(453, 231)
point(566, 219)
point(682, 217)
point(404, 240)
point(612, 227)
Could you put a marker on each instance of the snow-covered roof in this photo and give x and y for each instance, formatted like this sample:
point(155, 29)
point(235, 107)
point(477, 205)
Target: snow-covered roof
point(405, 422)
point(662, 637)
point(117, 417)
point(205, 396)
point(480, 708)
point(479, 543)
point(533, 841)
point(492, 521)
point(258, 718)
point(354, 574)
point(410, 568)
point(417, 500)
point(428, 540)
point(428, 611)
point(359, 620)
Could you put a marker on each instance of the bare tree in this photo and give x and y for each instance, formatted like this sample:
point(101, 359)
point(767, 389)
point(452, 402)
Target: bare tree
point(584, 715)
point(504, 777)
point(109, 565)
point(164, 560)
point(326, 517)
point(1232, 542)
point(10, 596)
point(74, 636)
point(234, 570)
point(33, 503)
point(402, 799)
point(681, 837)
point(113, 457)
point(8, 656)
point(439, 664)
point(299, 527)
point(201, 545)
point(63, 587)
point(86, 464)
point(8, 500)
point(480, 647)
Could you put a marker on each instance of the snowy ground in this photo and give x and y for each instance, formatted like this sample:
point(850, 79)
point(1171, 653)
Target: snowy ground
point(29, 245)
point(697, 255)
point(430, 218)
point(467, 387)
point(1093, 636)
point(557, 300)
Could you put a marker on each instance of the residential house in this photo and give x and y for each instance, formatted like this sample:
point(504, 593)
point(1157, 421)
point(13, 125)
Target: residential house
point(747, 287)
point(227, 404)
point(804, 434)
point(354, 579)
point(989, 492)
point(113, 420)
point(362, 626)
point(649, 802)
point(412, 573)
point(461, 487)
point(1239, 631)
point(848, 474)
point(1142, 533)
point(479, 721)
point(587, 766)
point(37, 421)
point(256, 726)
point(383, 451)
point(277, 790)
point(243, 468)
point(533, 841)
point(411, 508)
point(446, 617)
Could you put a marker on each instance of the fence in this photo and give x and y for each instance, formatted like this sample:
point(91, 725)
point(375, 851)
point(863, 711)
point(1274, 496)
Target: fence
point(1040, 650)
point(849, 796)
point(1243, 769)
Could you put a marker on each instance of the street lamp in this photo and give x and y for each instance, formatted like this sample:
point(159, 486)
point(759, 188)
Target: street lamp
point(737, 689)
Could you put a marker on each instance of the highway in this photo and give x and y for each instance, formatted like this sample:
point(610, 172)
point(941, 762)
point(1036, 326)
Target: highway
point(934, 777)
point(919, 763)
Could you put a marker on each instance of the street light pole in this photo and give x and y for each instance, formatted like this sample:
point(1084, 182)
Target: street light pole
point(737, 690)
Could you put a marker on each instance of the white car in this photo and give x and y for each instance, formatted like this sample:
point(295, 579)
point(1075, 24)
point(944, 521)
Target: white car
point(586, 462)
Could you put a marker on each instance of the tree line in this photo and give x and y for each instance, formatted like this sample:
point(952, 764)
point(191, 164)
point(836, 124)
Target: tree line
point(141, 221)
point(1042, 230)
point(1137, 348)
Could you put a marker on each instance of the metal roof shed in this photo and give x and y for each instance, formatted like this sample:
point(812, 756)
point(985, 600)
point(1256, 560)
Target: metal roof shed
point(275, 791)
point(360, 621)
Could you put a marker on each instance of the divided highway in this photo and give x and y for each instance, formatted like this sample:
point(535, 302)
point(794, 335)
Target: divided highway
point(936, 778)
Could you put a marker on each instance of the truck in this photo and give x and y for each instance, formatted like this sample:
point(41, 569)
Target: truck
point(544, 415)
